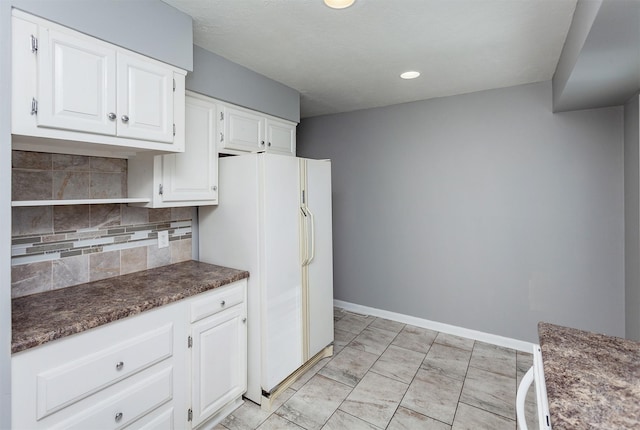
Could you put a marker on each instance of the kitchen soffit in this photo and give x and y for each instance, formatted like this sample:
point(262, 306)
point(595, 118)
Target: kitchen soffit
point(344, 60)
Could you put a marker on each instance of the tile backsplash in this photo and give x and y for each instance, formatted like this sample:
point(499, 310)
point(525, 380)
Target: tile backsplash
point(60, 246)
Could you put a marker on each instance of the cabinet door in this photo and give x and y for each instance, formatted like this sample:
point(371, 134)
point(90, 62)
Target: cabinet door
point(281, 137)
point(243, 131)
point(219, 362)
point(193, 174)
point(77, 83)
point(145, 99)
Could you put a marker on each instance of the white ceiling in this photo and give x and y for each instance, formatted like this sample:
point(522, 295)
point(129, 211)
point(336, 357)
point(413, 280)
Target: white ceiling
point(343, 60)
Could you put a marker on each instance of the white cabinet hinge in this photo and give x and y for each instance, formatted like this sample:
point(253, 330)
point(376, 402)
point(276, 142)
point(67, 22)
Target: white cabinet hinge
point(174, 129)
point(190, 415)
point(160, 189)
point(34, 44)
point(34, 106)
point(189, 342)
point(174, 85)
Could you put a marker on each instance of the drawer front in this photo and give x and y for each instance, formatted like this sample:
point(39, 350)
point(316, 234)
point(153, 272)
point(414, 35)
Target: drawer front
point(63, 385)
point(160, 419)
point(126, 406)
point(217, 301)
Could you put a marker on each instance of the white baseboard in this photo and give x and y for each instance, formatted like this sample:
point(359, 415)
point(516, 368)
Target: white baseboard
point(441, 327)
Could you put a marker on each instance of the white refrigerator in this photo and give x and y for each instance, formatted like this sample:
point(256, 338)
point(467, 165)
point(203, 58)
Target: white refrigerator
point(274, 220)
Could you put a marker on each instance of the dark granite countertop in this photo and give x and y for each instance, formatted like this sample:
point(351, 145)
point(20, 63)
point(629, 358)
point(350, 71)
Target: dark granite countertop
point(43, 317)
point(593, 380)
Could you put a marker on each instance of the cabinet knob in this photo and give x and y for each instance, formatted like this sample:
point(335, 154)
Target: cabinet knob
point(124, 118)
point(118, 417)
point(244, 320)
point(111, 116)
point(269, 144)
point(214, 188)
point(222, 303)
point(119, 365)
point(262, 143)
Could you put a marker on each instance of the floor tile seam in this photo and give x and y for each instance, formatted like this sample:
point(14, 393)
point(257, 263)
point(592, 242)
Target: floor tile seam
point(409, 349)
point(286, 419)
point(464, 381)
point(488, 411)
point(334, 380)
point(468, 360)
point(418, 412)
point(495, 373)
point(423, 414)
point(388, 331)
point(453, 346)
point(390, 377)
point(385, 348)
point(380, 355)
point(360, 418)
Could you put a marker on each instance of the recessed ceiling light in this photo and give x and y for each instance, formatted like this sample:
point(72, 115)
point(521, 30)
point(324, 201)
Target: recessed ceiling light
point(339, 4)
point(410, 75)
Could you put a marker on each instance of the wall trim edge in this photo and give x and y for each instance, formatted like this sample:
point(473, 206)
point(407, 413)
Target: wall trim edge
point(493, 339)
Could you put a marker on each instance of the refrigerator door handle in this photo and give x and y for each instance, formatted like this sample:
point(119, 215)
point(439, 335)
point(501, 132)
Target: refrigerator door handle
point(305, 237)
point(312, 242)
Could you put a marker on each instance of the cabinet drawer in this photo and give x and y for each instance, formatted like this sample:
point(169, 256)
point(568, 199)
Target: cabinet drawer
point(127, 405)
point(160, 419)
point(216, 301)
point(60, 386)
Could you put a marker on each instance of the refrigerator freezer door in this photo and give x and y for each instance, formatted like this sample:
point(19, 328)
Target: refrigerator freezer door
point(280, 269)
point(320, 266)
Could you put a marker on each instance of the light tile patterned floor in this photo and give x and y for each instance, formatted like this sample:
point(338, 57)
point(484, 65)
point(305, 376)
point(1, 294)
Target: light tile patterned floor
point(388, 375)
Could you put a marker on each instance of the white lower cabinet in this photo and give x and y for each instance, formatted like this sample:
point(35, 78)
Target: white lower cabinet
point(219, 353)
point(157, 370)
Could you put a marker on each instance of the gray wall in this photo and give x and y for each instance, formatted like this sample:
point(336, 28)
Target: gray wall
point(218, 77)
point(600, 59)
point(583, 17)
point(632, 217)
point(5, 214)
point(485, 211)
point(149, 27)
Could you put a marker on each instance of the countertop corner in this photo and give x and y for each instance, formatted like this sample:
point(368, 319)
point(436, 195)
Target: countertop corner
point(592, 380)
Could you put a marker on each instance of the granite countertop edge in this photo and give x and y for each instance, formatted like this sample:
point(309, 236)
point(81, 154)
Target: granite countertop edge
point(592, 379)
point(197, 278)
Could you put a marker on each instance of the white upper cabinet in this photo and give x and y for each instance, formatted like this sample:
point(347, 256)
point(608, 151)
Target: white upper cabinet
point(243, 130)
point(145, 100)
point(249, 131)
point(94, 98)
point(189, 178)
point(281, 137)
point(76, 82)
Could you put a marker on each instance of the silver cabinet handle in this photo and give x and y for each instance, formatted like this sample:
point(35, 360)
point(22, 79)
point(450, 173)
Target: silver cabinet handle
point(118, 417)
point(124, 118)
point(119, 365)
point(111, 116)
point(222, 303)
